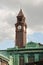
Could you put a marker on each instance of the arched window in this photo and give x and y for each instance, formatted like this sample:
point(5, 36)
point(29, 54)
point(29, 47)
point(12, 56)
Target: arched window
point(0, 61)
point(3, 62)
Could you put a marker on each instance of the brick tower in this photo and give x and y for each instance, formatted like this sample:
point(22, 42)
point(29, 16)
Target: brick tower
point(20, 30)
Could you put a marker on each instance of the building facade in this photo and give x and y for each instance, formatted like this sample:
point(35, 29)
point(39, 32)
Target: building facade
point(23, 53)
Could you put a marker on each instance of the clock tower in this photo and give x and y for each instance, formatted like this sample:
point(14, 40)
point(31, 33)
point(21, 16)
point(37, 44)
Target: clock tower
point(20, 38)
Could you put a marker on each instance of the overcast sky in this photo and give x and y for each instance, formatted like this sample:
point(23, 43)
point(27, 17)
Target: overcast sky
point(33, 11)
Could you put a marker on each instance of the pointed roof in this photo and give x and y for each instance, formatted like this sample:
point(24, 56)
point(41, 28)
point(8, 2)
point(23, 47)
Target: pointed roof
point(20, 13)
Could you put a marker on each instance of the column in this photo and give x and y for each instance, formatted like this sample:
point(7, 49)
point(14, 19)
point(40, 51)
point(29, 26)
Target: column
point(16, 59)
point(26, 58)
point(36, 57)
point(11, 60)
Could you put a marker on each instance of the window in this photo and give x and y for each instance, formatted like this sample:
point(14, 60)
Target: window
point(41, 57)
point(0, 61)
point(3, 62)
point(31, 57)
point(21, 59)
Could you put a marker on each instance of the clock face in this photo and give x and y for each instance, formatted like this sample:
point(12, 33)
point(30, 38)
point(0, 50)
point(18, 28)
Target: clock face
point(19, 27)
point(24, 27)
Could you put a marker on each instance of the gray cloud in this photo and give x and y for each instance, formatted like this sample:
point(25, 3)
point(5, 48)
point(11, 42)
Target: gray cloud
point(33, 10)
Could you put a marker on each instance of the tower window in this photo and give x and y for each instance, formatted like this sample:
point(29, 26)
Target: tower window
point(19, 18)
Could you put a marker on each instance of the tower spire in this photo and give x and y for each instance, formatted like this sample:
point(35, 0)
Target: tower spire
point(20, 13)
